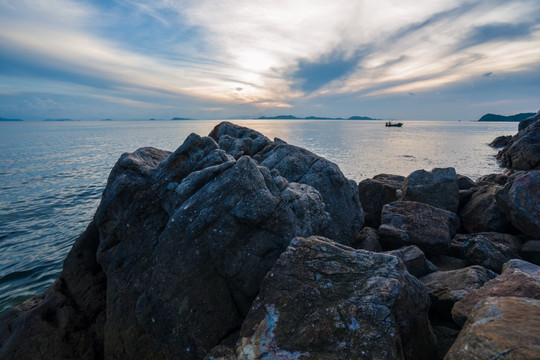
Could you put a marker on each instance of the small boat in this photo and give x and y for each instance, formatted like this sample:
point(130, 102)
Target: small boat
point(389, 123)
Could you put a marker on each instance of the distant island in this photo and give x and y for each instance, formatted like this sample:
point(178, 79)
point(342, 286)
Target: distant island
point(180, 118)
point(4, 119)
point(58, 120)
point(292, 117)
point(517, 117)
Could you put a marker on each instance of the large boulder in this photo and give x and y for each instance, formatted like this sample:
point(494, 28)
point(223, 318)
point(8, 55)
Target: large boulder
point(295, 164)
point(512, 282)
point(445, 288)
point(482, 212)
point(175, 256)
point(414, 223)
point(500, 328)
point(519, 200)
point(522, 152)
point(374, 194)
point(415, 261)
point(500, 141)
point(323, 300)
point(438, 187)
point(482, 251)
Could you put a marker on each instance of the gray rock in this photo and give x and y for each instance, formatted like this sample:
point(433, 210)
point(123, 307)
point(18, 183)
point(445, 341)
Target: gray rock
point(525, 266)
point(523, 151)
point(323, 300)
point(500, 328)
point(413, 223)
point(415, 260)
point(481, 251)
point(446, 263)
point(519, 200)
point(500, 141)
point(482, 213)
point(512, 282)
point(302, 166)
point(438, 188)
point(492, 179)
point(531, 251)
point(512, 241)
point(445, 288)
point(465, 183)
point(367, 239)
point(396, 181)
point(374, 194)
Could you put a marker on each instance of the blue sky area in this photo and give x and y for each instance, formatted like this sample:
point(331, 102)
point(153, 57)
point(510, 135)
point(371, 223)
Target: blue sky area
point(206, 59)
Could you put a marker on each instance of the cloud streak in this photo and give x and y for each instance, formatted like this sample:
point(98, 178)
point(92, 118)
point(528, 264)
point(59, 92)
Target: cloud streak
point(262, 53)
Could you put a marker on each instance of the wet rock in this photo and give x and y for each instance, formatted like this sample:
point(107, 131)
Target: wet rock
point(512, 282)
point(415, 260)
point(531, 251)
point(445, 288)
point(519, 201)
point(413, 223)
point(302, 166)
point(367, 239)
point(323, 300)
point(523, 151)
point(481, 251)
point(482, 212)
point(500, 141)
point(500, 328)
point(374, 194)
point(438, 188)
point(67, 321)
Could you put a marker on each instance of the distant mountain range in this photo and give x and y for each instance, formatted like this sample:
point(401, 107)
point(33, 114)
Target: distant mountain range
point(291, 117)
point(4, 119)
point(517, 117)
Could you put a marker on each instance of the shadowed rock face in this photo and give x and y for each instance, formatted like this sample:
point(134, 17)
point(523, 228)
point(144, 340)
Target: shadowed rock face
point(522, 152)
point(323, 300)
point(438, 188)
point(339, 194)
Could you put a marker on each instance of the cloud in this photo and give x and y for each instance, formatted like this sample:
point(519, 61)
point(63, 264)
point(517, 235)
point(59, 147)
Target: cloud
point(488, 74)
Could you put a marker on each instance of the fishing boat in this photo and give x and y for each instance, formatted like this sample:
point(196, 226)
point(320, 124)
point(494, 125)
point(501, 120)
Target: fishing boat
point(390, 124)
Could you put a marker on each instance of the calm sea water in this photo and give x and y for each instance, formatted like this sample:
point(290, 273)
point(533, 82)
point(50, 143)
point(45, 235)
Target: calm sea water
point(52, 173)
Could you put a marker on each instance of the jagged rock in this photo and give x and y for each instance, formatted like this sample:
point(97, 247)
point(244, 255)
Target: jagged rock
point(413, 223)
point(519, 200)
point(323, 300)
point(481, 251)
point(465, 183)
point(438, 188)
point(500, 141)
point(67, 321)
point(525, 266)
point(415, 260)
point(531, 251)
point(367, 239)
point(512, 282)
point(500, 328)
point(180, 245)
point(492, 179)
point(523, 151)
point(482, 213)
point(374, 194)
point(302, 166)
point(445, 288)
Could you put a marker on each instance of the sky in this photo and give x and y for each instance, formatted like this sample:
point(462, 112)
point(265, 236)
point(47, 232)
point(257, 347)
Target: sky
point(212, 59)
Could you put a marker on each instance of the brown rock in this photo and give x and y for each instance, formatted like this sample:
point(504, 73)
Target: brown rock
point(500, 328)
point(482, 214)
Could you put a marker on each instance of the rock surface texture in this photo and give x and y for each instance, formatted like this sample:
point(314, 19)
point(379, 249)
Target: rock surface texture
point(438, 187)
point(522, 152)
point(500, 328)
point(323, 300)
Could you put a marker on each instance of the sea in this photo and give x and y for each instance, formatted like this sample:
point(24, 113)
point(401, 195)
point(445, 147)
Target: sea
point(53, 173)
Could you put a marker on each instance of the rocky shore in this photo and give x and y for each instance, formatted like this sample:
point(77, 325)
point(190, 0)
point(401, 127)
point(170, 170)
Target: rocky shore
point(239, 247)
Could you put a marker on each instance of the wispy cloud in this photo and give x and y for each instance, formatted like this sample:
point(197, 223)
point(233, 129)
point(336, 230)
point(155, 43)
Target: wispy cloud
point(262, 53)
